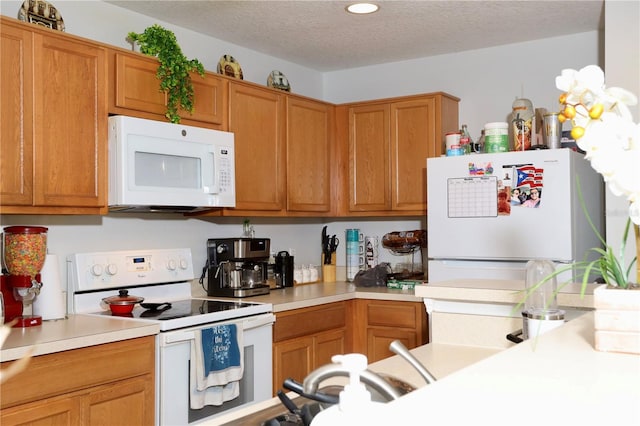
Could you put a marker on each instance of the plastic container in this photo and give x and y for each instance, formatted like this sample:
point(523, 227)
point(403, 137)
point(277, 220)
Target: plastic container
point(354, 251)
point(496, 137)
point(541, 312)
point(522, 121)
point(552, 131)
point(452, 144)
point(25, 249)
point(541, 286)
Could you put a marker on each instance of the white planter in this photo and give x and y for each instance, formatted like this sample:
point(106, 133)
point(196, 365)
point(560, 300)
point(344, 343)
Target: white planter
point(617, 320)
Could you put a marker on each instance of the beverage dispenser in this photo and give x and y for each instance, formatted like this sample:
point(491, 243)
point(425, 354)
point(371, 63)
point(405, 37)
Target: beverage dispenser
point(24, 253)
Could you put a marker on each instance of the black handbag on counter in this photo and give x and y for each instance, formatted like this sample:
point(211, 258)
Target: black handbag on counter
point(374, 277)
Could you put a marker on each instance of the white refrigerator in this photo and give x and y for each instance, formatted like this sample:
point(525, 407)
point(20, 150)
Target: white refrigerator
point(489, 214)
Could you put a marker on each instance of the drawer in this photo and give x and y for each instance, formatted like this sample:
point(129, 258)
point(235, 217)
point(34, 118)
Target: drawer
point(308, 321)
point(392, 314)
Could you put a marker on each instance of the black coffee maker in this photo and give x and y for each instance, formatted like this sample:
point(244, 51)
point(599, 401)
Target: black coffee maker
point(283, 270)
point(237, 267)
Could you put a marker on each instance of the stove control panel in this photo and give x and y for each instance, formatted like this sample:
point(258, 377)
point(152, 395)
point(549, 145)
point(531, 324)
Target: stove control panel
point(116, 269)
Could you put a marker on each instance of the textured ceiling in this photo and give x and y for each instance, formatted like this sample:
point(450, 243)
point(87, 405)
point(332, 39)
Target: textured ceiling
point(322, 36)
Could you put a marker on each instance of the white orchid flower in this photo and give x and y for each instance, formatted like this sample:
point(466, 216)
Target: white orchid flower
point(586, 87)
point(605, 131)
point(582, 86)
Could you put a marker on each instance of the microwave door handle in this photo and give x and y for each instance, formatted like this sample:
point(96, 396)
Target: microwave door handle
point(211, 182)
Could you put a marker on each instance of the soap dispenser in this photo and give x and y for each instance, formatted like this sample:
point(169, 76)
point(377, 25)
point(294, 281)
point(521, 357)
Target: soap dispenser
point(355, 404)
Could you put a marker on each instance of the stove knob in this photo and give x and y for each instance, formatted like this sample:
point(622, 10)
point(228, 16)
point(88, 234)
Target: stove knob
point(171, 265)
point(96, 270)
point(184, 264)
point(112, 269)
point(222, 248)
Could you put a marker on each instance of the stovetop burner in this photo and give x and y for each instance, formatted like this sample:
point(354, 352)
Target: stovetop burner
point(183, 309)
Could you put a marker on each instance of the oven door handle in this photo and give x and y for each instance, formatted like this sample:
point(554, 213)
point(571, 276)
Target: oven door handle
point(258, 321)
point(185, 336)
point(247, 324)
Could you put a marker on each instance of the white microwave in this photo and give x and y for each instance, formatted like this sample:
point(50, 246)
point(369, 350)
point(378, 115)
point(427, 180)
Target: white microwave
point(166, 167)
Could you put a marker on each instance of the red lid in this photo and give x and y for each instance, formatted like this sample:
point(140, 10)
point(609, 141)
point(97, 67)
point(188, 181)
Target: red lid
point(26, 229)
point(123, 298)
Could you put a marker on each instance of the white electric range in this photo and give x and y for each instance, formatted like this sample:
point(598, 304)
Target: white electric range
point(163, 277)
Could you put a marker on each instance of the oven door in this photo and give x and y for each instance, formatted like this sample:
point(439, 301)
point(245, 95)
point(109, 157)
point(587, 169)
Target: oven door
point(172, 371)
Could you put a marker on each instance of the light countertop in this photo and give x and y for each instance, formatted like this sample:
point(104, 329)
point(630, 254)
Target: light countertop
point(558, 379)
point(77, 331)
point(500, 291)
point(305, 295)
point(441, 361)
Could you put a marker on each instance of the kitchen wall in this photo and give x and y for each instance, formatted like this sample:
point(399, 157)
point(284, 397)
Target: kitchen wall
point(622, 66)
point(110, 24)
point(500, 76)
point(486, 80)
point(73, 234)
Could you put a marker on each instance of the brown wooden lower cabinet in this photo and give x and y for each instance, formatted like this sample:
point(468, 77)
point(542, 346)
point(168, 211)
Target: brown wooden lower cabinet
point(307, 338)
point(377, 323)
point(105, 384)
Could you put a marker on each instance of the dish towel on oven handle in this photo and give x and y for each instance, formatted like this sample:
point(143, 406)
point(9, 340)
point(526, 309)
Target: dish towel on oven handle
point(217, 365)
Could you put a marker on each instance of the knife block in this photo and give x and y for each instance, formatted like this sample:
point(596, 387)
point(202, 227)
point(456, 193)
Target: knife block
point(329, 271)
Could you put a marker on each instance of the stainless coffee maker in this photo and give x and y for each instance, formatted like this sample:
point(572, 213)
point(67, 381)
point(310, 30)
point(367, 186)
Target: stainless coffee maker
point(237, 267)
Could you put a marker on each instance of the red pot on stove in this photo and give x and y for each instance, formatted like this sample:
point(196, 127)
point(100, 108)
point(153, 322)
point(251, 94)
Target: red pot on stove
point(122, 304)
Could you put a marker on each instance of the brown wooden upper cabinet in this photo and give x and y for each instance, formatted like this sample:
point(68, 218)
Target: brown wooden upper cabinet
point(284, 151)
point(256, 117)
point(53, 152)
point(135, 91)
point(310, 153)
point(295, 156)
point(385, 147)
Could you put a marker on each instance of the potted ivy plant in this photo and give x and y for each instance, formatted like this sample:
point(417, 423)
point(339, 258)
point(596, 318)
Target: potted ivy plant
point(173, 70)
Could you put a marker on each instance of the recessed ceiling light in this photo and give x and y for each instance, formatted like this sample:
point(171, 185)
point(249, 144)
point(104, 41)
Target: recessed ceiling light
point(362, 8)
